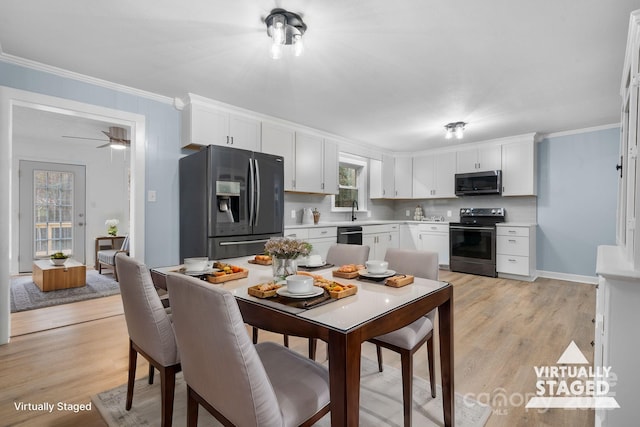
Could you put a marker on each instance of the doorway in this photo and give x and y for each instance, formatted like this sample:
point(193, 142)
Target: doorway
point(52, 211)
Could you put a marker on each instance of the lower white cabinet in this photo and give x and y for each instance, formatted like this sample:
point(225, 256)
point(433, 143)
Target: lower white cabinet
point(435, 238)
point(515, 250)
point(379, 238)
point(320, 238)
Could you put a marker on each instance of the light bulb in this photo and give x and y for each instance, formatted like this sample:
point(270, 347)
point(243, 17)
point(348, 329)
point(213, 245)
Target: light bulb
point(298, 46)
point(117, 145)
point(278, 29)
point(459, 131)
point(449, 132)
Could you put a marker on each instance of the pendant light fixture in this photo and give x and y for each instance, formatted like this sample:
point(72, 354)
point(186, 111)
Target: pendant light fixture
point(285, 29)
point(455, 128)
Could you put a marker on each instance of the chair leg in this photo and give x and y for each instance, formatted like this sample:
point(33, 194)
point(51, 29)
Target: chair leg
point(432, 377)
point(286, 340)
point(407, 386)
point(133, 357)
point(192, 409)
point(379, 352)
point(151, 372)
point(312, 348)
point(255, 335)
point(167, 391)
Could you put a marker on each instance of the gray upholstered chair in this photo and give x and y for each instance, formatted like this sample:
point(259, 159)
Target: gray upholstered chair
point(340, 254)
point(150, 331)
point(107, 257)
point(240, 383)
point(409, 339)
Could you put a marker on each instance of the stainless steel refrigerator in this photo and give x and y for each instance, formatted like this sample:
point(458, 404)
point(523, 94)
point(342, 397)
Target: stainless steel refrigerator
point(231, 202)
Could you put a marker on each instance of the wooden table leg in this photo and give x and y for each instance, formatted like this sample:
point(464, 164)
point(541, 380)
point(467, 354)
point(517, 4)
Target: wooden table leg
point(344, 378)
point(445, 319)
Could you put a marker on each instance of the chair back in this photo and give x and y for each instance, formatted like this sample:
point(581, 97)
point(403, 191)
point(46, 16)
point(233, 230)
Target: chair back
point(218, 359)
point(416, 263)
point(125, 244)
point(148, 324)
point(340, 254)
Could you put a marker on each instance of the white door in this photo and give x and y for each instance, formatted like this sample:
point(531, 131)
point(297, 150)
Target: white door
point(52, 211)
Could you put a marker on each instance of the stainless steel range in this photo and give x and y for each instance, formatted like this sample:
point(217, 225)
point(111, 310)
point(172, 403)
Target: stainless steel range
point(472, 241)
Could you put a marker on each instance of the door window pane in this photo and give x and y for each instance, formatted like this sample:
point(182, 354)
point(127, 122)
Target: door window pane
point(53, 212)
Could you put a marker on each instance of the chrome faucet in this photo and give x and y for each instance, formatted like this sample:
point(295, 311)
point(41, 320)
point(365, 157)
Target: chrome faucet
point(354, 207)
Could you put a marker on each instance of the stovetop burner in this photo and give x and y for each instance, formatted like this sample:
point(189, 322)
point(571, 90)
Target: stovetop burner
point(481, 216)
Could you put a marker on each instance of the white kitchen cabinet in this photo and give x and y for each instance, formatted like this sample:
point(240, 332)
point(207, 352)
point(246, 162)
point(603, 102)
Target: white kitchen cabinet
point(388, 176)
point(310, 161)
point(519, 168)
point(515, 251)
point(435, 238)
point(433, 175)
point(479, 159)
point(204, 124)
point(409, 236)
point(320, 238)
point(379, 238)
point(280, 140)
point(375, 179)
point(403, 178)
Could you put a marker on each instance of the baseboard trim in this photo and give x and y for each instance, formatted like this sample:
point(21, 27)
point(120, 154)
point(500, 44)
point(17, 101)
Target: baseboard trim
point(592, 280)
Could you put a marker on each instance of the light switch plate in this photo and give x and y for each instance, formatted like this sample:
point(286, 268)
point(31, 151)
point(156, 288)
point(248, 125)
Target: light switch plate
point(449, 213)
point(368, 214)
point(407, 213)
point(293, 214)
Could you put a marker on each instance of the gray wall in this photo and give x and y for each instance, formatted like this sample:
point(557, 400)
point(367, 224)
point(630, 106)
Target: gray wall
point(577, 197)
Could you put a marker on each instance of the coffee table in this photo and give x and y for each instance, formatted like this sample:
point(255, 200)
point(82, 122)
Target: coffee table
point(49, 277)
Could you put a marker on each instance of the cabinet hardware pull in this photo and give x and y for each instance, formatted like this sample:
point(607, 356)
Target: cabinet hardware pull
point(512, 240)
point(593, 344)
point(512, 260)
point(227, 139)
point(593, 320)
point(511, 231)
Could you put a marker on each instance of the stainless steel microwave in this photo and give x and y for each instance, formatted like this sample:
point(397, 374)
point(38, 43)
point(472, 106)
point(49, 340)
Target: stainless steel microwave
point(479, 183)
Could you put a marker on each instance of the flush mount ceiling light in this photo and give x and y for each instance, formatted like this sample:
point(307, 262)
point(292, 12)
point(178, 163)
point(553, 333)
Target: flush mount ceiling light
point(285, 29)
point(455, 128)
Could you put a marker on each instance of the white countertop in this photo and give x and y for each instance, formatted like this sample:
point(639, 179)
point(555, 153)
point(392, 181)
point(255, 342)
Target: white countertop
point(360, 223)
point(612, 263)
point(516, 224)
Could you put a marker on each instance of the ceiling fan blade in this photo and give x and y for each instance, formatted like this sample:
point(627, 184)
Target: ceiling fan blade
point(104, 145)
point(82, 137)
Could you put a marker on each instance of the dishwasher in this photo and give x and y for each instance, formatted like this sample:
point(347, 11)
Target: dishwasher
point(350, 235)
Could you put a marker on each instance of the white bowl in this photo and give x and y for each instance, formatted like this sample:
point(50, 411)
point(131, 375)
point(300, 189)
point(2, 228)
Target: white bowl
point(376, 267)
point(314, 260)
point(299, 284)
point(196, 264)
point(58, 261)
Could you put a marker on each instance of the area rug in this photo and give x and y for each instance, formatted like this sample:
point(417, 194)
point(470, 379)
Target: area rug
point(380, 403)
point(25, 295)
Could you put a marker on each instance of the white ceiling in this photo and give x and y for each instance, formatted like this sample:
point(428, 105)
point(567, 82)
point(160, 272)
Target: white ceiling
point(387, 73)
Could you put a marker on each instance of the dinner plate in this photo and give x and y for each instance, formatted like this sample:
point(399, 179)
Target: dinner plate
point(365, 273)
point(283, 291)
point(313, 265)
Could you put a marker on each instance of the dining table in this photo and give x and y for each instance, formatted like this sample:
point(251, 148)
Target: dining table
point(344, 324)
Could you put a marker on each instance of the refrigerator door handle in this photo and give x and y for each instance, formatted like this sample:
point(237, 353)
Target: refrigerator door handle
point(257, 205)
point(251, 191)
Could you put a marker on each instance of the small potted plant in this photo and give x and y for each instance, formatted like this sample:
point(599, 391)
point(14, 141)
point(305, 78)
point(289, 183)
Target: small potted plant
point(283, 253)
point(59, 258)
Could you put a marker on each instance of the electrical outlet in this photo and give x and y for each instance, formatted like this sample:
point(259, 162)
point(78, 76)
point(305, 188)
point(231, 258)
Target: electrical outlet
point(368, 214)
point(151, 196)
point(293, 214)
point(449, 214)
point(407, 213)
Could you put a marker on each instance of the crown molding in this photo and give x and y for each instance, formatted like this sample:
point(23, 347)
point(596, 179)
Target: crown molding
point(27, 63)
point(579, 131)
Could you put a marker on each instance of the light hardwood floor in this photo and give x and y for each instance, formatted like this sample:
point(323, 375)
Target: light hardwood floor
point(503, 328)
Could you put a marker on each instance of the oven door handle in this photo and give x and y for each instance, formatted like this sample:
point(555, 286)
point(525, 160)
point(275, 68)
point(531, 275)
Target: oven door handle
point(462, 227)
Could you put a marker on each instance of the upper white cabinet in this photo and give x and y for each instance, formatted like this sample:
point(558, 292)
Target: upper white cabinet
point(375, 179)
point(311, 162)
point(205, 124)
point(433, 175)
point(388, 176)
point(280, 140)
point(316, 164)
point(403, 178)
point(479, 159)
point(518, 169)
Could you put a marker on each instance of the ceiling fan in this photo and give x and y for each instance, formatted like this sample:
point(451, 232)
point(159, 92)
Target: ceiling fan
point(117, 138)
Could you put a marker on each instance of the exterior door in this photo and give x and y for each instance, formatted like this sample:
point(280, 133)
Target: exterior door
point(52, 211)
